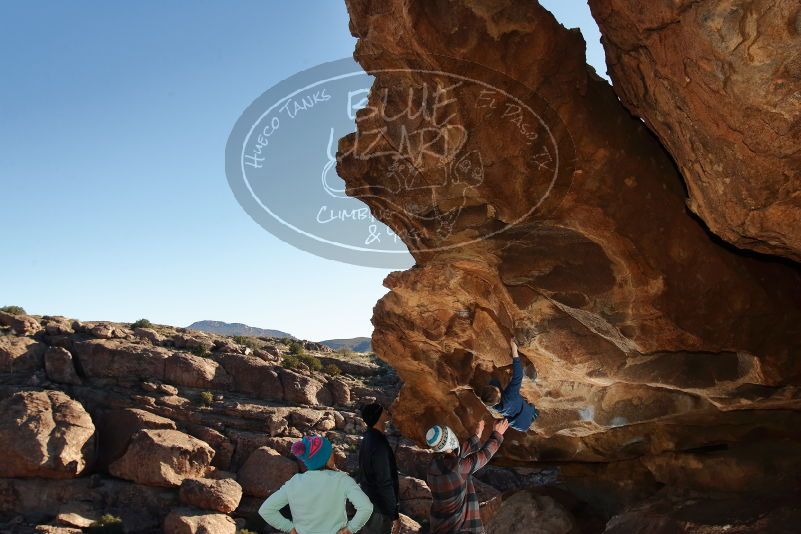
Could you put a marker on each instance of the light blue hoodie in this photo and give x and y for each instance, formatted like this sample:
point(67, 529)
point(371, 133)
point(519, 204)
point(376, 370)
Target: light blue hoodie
point(317, 501)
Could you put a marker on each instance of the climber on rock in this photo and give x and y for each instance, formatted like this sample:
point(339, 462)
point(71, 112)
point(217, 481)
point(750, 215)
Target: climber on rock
point(454, 506)
point(510, 404)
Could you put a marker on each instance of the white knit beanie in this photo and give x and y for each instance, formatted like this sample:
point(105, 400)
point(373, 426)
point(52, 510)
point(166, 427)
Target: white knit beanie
point(441, 438)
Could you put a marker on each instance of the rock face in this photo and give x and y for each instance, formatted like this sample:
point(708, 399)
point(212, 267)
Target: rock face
point(60, 366)
point(719, 83)
point(265, 471)
point(221, 495)
point(163, 458)
point(44, 434)
point(189, 521)
point(536, 206)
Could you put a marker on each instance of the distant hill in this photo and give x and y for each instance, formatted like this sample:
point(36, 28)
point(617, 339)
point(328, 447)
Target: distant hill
point(356, 344)
point(235, 329)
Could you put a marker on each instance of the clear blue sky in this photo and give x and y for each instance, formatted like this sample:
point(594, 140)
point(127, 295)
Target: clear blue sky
point(113, 198)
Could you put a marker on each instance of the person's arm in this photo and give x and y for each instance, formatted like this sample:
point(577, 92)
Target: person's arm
point(360, 501)
point(473, 442)
point(477, 460)
point(270, 510)
point(384, 481)
point(517, 373)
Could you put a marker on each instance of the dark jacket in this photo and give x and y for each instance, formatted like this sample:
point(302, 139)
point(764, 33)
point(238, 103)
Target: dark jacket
point(513, 406)
point(378, 473)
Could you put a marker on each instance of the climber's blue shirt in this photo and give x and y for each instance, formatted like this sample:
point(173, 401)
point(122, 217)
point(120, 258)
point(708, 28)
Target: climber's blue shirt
point(513, 406)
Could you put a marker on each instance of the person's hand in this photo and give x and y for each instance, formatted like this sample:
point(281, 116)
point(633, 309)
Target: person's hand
point(344, 530)
point(501, 425)
point(293, 531)
point(480, 428)
point(513, 346)
point(396, 526)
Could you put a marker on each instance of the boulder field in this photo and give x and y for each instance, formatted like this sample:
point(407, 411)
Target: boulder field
point(170, 430)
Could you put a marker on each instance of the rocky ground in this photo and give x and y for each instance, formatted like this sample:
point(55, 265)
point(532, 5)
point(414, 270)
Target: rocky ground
point(169, 429)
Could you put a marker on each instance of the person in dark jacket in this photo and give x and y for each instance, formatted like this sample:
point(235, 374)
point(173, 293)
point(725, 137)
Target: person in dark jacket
point(510, 404)
point(379, 473)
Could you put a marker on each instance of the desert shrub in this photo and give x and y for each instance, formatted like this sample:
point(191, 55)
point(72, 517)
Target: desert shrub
point(285, 340)
point(13, 310)
point(206, 398)
point(107, 524)
point(296, 348)
point(293, 361)
point(344, 351)
point(312, 362)
point(201, 351)
point(290, 361)
point(142, 323)
point(247, 341)
point(332, 369)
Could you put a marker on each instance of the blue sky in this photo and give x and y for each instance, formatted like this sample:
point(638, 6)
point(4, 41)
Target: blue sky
point(113, 196)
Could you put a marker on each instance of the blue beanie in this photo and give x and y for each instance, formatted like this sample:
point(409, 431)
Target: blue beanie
point(313, 451)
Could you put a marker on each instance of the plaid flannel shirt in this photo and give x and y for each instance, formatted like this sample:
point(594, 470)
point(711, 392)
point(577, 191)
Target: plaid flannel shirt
point(455, 504)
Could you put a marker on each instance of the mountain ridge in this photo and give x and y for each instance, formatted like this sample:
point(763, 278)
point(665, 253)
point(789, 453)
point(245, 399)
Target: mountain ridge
point(355, 344)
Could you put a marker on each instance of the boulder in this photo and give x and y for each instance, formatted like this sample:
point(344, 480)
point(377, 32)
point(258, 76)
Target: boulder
point(44, 434)
point(55, 529)
point(409, 525)
point(680, 66)
point(188, 370)
point(252, 375)
point(194, 341)
point(77, 514)
point(122, 360)
point(302, 389)
point(340, 391)
point(641, 325)
point(57, 326)
point(60, 366)
point(529, 513)
point(163, 458)
point(223, 448)
point(191, 521)
point(105, 331)
point(150, 335)
point(21, 354)
point(265, 471)
point(218, 495)
point(116, 428)
point(415, 497)
point(23, 325)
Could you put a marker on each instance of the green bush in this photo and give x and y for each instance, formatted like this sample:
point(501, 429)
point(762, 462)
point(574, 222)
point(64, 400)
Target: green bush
point(107, 524)
point(296, 348)
point(293, 361)
point(206, 398)
point(247, 341)
point(13, 310)
point(201, 351)
point(344, 351)
point(290, 361)
point(312, 362)
point(142, 323)
point(332, 369)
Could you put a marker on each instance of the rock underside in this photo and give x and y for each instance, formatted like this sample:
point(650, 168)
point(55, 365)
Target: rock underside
point(538, 204)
